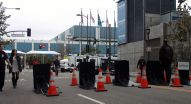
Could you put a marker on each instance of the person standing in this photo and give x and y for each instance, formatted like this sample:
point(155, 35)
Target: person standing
point(141, 63)
point(165, 57)
point(15, 61)
point(3, 58)
point(56, 65)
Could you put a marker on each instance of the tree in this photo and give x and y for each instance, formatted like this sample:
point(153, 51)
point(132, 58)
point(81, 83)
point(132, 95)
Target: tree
point(92, 51)
point(181, 32)
point(61, 49)
point(3, 24)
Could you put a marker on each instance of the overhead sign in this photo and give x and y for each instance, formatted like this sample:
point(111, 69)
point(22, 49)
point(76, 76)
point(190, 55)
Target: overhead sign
point(183, 65)
point(17, 35)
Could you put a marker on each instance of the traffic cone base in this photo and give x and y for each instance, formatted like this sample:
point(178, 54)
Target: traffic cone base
point(100, 87)
point(108, 78)
point(176, 80)
point(52, 89)
point(100, 83)
point(74, 81)
point(176, 83)
point(144, 84)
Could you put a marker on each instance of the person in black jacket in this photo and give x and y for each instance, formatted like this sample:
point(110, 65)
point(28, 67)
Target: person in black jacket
point(56, 65)
point(165, 57)
point(15, 61)
point(141, 63)
point(3, 58)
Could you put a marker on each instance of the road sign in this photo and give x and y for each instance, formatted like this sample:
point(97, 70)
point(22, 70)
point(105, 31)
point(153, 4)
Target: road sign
point(17, 35)
point(183, 65)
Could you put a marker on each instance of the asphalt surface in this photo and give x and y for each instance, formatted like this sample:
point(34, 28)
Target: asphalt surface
point(24, 94)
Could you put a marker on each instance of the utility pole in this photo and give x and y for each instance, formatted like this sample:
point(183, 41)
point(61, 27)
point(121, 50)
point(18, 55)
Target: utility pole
point(109, 51)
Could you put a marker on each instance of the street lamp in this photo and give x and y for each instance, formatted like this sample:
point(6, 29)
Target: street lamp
point(80, 24)
point(148, 43)
point(87, 46)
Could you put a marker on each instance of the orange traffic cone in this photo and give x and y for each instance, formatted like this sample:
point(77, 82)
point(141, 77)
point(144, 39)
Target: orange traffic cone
point(189, 82)
point(74, 81)
point(100, 83)
point(138, 78)
point(144, 82)
point(108, 78)
point(52, 89)
point(176, 80)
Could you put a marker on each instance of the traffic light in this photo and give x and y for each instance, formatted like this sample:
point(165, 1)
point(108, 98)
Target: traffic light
point(28, 32)
point(87, 48)
point(94, 41)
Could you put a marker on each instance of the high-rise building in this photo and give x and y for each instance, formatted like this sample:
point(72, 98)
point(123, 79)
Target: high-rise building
point(131, 14)
point(134, 18)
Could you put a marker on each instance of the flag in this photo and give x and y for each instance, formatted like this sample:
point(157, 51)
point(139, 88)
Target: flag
point(99, 21)
point(42, 46)
point(91, 17)
point(114, 20)
point(114, 23)
point(82, 21)
point(107, 21)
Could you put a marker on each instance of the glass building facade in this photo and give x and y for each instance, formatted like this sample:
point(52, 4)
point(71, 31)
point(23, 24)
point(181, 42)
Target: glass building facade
point(131, 17)
point(121, 32)
point(78, 33)
point(24, 46)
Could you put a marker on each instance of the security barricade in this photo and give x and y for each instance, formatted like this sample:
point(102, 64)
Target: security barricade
point(41, 77)
point(87, 75)
point(155, 74)
point(184, 77)
point(121, 77)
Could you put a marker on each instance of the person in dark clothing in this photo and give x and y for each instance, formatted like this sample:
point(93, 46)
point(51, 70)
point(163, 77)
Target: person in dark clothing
point(56, 65)
point(15, 61)
point(165, 57)
point(3, 58)
point(141, 63)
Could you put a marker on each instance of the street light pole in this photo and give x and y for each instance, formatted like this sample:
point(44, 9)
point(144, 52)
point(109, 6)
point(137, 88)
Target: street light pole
point(87, 45)
point(148, 44)
point(80, 24)
point(109, 58)
point(87, 50)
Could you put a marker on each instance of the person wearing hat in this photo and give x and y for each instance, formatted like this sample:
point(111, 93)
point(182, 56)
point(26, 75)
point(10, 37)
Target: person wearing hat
point(165, 57)
point(3, 58)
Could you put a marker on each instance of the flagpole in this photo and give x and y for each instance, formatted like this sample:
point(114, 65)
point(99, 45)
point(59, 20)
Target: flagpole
point(106, 34)
point(99, 28)
point(81, 32)
point(114, 32)
point(90, 29)
point(87, 37)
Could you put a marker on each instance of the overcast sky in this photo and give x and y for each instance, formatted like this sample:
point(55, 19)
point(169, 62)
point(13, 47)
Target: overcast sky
point(48, 18)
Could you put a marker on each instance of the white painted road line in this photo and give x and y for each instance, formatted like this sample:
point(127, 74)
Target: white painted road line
point(20, 80)
point(61, 77)
point(99, 102)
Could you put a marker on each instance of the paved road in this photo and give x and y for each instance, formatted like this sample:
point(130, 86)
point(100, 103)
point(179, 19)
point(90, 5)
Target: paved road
point(24, 94)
